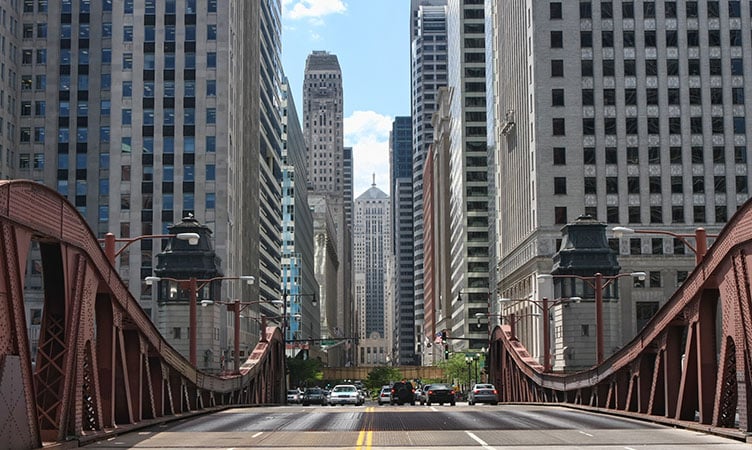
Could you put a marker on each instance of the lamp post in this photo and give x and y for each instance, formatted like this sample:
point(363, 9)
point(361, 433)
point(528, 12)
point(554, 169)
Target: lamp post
point(236, 306)
point(700, 236)
point(469, 362)
point(110, 241)
point(598, 283)
point(194, 285)
point(476, 358)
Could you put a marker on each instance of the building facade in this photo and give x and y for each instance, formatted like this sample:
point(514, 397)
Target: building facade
point(145, 112)
point(468, 172)
point(632, 113)
point(428, 65)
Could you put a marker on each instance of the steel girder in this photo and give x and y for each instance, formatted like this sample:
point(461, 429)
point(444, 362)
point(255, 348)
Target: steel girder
point(691, 364)
point(101, 365)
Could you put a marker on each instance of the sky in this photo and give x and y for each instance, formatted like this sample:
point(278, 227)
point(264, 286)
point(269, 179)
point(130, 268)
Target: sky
point(372, 42)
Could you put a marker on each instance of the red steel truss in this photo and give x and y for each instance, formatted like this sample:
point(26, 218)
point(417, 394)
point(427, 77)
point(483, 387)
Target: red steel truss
point(101, 365)
point(691, 365)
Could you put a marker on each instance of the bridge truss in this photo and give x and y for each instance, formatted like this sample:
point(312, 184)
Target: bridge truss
point(691, 365)
point(100, 364)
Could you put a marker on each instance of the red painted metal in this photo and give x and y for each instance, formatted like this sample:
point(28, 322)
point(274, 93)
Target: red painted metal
point(101, 365)
point(691, 365)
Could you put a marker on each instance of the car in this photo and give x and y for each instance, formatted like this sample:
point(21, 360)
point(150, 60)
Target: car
point(345, 394)
point(402, 392)
point(314, 396)
point(293, 396)
point(483, 393)
point(420, 394)
point(440, 393)
point(385, 396)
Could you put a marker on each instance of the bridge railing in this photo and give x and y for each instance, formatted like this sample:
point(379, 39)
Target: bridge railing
point(101, 365)
point(689, 365)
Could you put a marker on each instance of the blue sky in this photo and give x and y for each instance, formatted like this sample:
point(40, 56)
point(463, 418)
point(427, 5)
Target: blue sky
point(371, 39)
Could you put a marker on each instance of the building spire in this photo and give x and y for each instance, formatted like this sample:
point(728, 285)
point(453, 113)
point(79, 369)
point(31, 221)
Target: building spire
point(374, 180)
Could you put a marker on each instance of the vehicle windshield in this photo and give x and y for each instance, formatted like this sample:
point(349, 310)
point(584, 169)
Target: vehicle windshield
point(439, 386)
point(344, 389)
point(483, 386)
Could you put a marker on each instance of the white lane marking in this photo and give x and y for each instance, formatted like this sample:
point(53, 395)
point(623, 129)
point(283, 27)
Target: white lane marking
point(586, 434)
point(433, 408)
point(257, 434)
point(629, 448)
point(480, 441)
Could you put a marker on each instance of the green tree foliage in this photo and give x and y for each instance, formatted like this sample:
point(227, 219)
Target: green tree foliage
point(304, 372)
point(455, 368)
point(382, 376)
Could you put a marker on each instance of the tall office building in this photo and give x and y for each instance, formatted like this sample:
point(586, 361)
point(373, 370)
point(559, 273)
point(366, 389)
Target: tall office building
point(428, 66)
point(31, 166)
point(405, 332)
point(330, 176)
point(371, 238)
point(147, 112)
point(631, 112)
point(298, 277)
point(468, 172)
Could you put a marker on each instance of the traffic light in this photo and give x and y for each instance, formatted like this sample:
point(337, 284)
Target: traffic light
point(446, 351)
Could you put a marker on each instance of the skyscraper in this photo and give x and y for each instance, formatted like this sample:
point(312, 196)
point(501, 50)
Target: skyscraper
point(330, 176)
point(468, 172)
point(633, 115)
point(406, 333)
point(371, 238)
point(428, 57)
point(146, 112)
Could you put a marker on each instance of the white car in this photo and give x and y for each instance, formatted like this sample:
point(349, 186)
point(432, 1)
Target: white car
point(385, 396)
point(345, 394)
point(293, 396)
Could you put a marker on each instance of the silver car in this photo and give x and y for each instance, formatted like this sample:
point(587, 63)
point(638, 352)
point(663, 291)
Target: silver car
point(483, 393)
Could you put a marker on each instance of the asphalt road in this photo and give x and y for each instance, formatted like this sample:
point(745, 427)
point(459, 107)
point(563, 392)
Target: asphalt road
point(413, 427)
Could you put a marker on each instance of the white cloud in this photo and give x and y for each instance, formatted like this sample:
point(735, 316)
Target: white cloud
point(312, 9)
point(367, 132)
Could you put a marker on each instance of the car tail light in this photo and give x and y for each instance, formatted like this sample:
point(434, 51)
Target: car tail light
point(495, 392)
point(430, 392)
point(476, 391)
point(451, 392)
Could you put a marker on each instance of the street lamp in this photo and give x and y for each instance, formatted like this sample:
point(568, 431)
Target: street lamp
point(110, 240)
point(236, 306)
point(194, 285)
point(469, 362)
point(545, 307)
point(598, 283)
point(701, 238)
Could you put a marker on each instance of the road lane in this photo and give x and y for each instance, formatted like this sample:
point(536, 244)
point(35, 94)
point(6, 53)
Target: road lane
point(374, 427)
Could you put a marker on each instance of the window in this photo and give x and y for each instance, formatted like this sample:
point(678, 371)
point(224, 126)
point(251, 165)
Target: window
point(557, 125)
point(590, 185)
point(588, 126)
point(586, 10)
point(557, 39)
point(633, 155)
point(560, 185)
point(634, 214)
point(557, 68)
point(677, 214)
point(560, 156)
point(655, 185)
point(586, 68)
point(633, 185)
point(656, 246)
point(211, 32)
point(612, 185)
point(611, 155)
point(586, 39)
point(612, 214)
point(560, 215)
point(644, 311)
point(587, 97)
point(721, 213)
point(737, 66)
point(719, 183)
point(211, 116)
point(699, 214)
point(656, 214)
point(740, 155)
point(698, 184)
point(588, 155)
point(557, 97)
point(630, 68)
point(554, 10)
point(677, 185)
point(741, 184)
point(635, 246)
point(675, 155)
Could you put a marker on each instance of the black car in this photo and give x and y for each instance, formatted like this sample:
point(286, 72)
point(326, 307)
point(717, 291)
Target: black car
point(314, 396)
point(402, 392)
point(440, 393)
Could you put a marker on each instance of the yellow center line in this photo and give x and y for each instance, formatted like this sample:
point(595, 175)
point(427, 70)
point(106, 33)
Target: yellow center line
point(366, 435)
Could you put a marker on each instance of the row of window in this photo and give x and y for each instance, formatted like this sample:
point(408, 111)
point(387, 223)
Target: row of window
point(655, 185)
point(670, 9)
point(652, 96)
point(652, 125)
point(84, 6)
point(651, 67)
point(675, 155)
point(654, 214)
